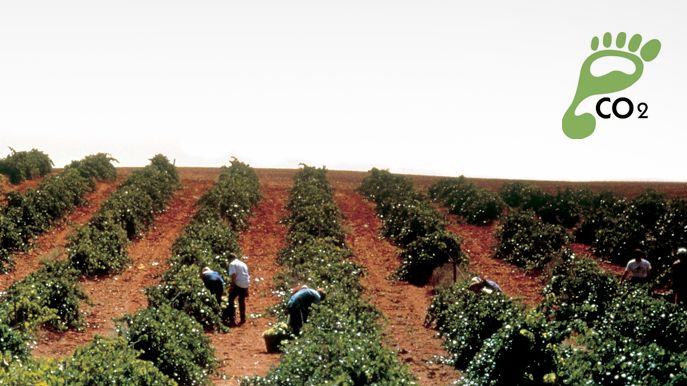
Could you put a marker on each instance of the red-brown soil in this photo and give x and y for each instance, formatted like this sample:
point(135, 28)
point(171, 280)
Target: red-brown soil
point(479, 243)
point(51, 245)
point(242, 352)
point(404, 306)
point(6, 186)
point(115, 295)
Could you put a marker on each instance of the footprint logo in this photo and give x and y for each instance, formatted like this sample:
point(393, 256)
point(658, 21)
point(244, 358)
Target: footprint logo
point(582, 126)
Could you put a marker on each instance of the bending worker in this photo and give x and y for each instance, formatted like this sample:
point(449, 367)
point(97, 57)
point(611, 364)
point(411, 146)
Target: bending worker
point(299, 305)
point(478, 285)
point(214, 283)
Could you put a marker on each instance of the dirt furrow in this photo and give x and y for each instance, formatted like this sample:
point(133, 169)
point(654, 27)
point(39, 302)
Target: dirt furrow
point(7, 187)
point(241, 352)
point(114, 295)
point(479, 243)
point(585, 250)
point(51, 244)
point(403, 305)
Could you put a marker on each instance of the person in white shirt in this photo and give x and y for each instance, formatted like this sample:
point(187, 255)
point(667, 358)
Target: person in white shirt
point(240, 281)
point(638, 269)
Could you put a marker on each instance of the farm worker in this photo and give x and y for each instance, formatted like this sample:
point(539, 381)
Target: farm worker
point(299, 305)
point(240, 280)
point(477, 285)
point(678, 275)
point(638, 268)
point(213, 282)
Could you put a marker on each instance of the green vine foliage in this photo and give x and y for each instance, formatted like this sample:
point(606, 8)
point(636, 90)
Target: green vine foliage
point(102, 362)
point(31, 213)
point(466, 319)
point(25, 165)
point(526, 241)
point(100, 247)
point(341, 343)
point(465, 199)
point(410, 221)
point(173, 341)
point(48, 297)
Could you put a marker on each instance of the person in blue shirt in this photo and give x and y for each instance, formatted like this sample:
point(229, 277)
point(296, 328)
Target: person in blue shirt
point(214, 283)
point(299, 305)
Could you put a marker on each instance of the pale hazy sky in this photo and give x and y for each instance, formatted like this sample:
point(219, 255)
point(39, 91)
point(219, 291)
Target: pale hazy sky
point(433, 87)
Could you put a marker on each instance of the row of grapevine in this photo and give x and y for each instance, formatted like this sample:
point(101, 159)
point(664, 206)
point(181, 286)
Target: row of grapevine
point(564, 208)
point(164, 343)
point(588, 330)
point(467, 200)
point(527, 241)
point(209, 240)
point(25, 165)
point(50, 296)
point(341, 343)
point(100, 246)
point(410, 221)
point(34, 211)
point(170, 332)
point(613, 226)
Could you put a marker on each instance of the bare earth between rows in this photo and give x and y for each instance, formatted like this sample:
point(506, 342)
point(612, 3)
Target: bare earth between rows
point(403, 305)
point(479, 243)
point(51, 244)
point(115, 295)
point(241, 351)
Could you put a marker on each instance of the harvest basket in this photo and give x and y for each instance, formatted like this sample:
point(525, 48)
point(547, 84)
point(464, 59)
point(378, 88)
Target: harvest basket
point(275, 336)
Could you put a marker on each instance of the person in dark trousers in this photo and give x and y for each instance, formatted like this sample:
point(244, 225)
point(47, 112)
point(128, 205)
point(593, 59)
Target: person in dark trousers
point(299, 305)
point(678, 275)
point(240, 281)
point(214, 283)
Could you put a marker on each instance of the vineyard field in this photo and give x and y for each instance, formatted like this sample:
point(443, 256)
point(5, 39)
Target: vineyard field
point(393, 248)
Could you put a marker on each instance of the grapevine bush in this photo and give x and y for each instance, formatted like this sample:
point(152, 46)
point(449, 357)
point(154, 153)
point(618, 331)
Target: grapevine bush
point(578, 290)
point(465, 319)
point(13, 345)
point(25, 165)
point(173, 341)
point(465, 199)
point(521, 352)
point(526, 241)
point(209, 240)
point(615, 227)
point(99, 247)
point(234, 195)
point(182, 288)
point(522, 195)
point(102, 362)
point(565, 208)
point(98, 166)
point(34, 211)
point(48, 297)
point(589, 329)
point(341, 343)
point(410, 221)
point(612, 359)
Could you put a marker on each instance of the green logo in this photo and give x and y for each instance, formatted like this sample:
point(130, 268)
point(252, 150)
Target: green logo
point(582, 126)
